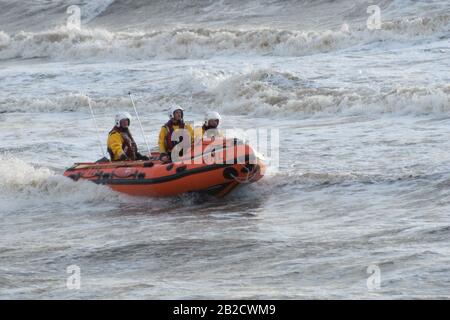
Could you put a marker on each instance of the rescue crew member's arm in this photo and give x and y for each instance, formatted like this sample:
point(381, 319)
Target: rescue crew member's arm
point(163, 156)
point(191, 131)
point(162, 140)
point(198, 134)
point(115, 145)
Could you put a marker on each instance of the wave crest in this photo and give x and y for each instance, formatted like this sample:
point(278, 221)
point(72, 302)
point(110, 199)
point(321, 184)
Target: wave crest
point(65, 43)
point(273, 93)
point(259, 93)
point(19, 177)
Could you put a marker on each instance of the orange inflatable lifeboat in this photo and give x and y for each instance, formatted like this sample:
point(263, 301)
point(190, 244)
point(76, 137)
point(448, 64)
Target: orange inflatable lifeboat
point(213, 167)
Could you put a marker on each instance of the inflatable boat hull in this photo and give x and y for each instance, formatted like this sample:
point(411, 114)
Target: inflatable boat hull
point(158, 179)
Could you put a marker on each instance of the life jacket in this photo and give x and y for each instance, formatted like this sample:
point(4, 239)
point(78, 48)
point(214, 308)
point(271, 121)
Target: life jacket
point(214, 131)
point(129, 147)
point(169, 127)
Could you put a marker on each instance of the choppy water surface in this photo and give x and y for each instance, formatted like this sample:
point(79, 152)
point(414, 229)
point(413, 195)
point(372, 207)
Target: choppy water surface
point(364, 175)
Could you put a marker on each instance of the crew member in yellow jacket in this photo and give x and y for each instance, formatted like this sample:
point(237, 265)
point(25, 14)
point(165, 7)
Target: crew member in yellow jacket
point(121, 145)
point(210, 128)
point(176, 121)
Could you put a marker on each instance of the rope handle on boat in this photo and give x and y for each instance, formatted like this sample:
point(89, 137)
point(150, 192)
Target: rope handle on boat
point(101, 175)
point(98, 174)
point(136, 174)
point(250, 174)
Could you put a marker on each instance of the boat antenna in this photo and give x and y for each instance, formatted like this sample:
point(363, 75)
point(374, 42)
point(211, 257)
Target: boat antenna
point(96, 126)
point(139, 120)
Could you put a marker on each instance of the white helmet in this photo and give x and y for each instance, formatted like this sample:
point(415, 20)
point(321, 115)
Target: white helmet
point(212, 115)
point(174, 108)
point(122, 115)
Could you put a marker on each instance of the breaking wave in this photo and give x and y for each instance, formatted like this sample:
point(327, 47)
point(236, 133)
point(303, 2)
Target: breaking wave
point(69, 44)
point(274, 93)
point(259, 93)
point(61, 103)
point(28, 181)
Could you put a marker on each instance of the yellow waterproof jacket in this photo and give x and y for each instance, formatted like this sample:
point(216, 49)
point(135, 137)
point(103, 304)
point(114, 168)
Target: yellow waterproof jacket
point(162, 141)
point(199, 132)
point(117, 143)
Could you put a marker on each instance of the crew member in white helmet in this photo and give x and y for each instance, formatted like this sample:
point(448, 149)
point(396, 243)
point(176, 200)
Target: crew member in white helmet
point(176, 122)
point(210, 127)
point(121, 145)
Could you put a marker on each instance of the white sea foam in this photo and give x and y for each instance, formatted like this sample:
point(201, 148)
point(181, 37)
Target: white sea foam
point(260, 93)
point(68, 44)
point(30, 182)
